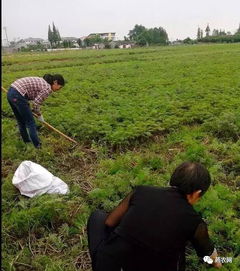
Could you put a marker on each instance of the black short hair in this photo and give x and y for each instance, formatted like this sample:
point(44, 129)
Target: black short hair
point(191, 176)
point(56, 77)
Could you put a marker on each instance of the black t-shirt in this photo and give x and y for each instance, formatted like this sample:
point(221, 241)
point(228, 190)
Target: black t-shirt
point(159, 222)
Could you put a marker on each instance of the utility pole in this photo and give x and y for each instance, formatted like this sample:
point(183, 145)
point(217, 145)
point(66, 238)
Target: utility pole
point(5, 29)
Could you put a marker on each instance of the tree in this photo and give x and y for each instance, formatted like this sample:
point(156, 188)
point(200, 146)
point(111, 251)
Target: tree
point(144, 37)
point(67, 44)
point(50, 35)
point(199, 33)
point(238, 30)
point(55, 35)
point(222, 33)
point(87, 42)
point(107, 43)
point(215, 32)
point(58, 34)
point(158, 35)
point(90, 41)
point(79, 42)
point(136, 32)
point(189, 41)
point(207, 30)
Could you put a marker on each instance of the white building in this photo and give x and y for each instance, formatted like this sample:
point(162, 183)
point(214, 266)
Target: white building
point(25, 43)
point(33, 41)
point(72, 39)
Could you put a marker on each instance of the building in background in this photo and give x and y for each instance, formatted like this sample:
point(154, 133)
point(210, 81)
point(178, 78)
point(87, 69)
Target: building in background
point(110, 36)
point(33, 41)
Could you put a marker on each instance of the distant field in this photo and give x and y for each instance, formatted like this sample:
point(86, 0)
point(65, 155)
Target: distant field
point(116, 96)
point(137, 114)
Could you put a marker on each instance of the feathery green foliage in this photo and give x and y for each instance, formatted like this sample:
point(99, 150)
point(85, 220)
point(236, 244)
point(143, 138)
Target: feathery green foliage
point(137, 114)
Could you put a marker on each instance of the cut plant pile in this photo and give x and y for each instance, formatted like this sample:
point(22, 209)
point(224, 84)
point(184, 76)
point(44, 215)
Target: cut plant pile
point(137, 113)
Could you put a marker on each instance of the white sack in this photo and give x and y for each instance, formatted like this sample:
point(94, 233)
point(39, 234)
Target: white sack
point(32, 180)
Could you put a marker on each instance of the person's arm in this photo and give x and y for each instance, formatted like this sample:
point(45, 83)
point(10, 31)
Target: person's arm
point(204, 246)
point(42, 95)
point(116, 215)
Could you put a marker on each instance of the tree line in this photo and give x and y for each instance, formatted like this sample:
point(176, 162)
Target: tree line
point(142, 36)
point(139, 35)
point(218, 35)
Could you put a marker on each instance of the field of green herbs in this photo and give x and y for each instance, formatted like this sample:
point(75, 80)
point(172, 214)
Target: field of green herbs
point(137, 114)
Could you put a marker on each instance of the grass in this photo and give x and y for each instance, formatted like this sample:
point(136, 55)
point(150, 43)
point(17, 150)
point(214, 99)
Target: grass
point(136, 114)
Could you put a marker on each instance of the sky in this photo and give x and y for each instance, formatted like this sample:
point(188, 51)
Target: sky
point(77, 18)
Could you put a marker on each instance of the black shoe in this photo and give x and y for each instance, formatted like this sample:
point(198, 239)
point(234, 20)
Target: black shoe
point(38, 146)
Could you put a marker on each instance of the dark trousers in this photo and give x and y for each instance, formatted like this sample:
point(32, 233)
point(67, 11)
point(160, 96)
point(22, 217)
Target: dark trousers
point(110, 252)
point(103, 245)
point(97, 234)
point(24, 116)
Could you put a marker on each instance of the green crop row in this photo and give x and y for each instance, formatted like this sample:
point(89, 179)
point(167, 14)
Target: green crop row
point(126, 100)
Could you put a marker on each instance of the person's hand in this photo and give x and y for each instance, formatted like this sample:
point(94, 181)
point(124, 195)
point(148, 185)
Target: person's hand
point(40, 118)
point(38, 113)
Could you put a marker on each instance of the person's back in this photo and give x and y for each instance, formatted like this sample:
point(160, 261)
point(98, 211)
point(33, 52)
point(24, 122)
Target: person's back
point(152, 225)
point(161, 221)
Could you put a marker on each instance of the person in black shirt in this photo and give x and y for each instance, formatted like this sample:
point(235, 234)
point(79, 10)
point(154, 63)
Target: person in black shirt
point(149, 229)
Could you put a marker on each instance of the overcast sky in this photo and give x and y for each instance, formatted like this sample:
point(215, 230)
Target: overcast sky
point(77, 18)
